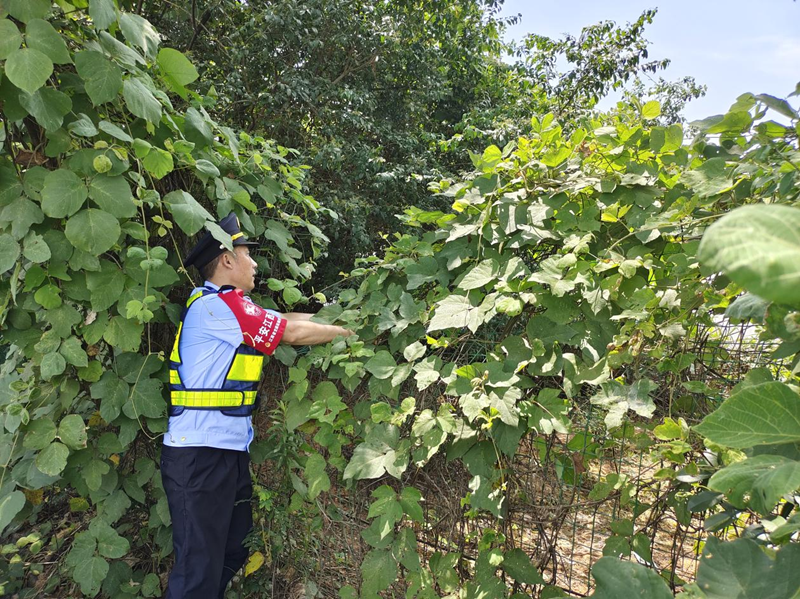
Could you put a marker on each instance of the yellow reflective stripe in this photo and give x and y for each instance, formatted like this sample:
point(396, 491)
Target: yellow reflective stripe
point(174, 377)
point(191, 299)
point(212, 399)
point(237, 236)
point(246, 368)
point(175, 355)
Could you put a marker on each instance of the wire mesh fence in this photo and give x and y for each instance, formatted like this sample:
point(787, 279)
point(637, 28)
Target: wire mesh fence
point(570, 498)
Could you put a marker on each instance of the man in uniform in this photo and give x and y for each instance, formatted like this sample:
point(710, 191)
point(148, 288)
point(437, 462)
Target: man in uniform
point(215, 368)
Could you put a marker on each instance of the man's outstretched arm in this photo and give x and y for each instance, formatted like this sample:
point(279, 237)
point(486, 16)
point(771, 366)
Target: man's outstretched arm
point(301, 331)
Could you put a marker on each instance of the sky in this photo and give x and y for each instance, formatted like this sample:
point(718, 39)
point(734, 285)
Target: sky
point(732, 46)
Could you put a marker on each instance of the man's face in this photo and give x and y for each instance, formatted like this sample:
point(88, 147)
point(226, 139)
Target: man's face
point(244, 269)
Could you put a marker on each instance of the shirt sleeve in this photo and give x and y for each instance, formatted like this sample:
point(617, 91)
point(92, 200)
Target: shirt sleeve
point(261, 329)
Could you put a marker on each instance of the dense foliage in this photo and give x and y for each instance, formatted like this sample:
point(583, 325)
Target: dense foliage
point(381, 98)
point(568, 270)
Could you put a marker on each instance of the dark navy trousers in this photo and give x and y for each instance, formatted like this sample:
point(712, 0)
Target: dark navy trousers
point(208, 491)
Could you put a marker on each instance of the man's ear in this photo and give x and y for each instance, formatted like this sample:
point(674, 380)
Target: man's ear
point(227, 259)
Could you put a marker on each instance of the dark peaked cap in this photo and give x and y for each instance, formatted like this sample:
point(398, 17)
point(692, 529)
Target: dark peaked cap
point(209, 248)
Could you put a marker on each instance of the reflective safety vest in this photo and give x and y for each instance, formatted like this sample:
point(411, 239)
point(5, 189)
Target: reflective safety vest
point(238, 395)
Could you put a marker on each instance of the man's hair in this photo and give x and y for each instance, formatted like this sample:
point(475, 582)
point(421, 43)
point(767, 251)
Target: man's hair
point(207, 271)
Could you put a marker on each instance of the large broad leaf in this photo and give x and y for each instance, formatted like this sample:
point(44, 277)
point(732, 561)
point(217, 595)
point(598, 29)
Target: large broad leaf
point(21, 213)
point(9, 252)
point(63, 193)
point(10, 39)
point(758, 482)
point(48, 106)
point(316, 476)
point(40, 35)
point(141, 101)
point(619, 398)
point(52, 459)
point(102, 12)
point(177, 69)
point(742, 570)
point(382, 365)
point(72, 431)
point(27, 10)
point(758, 247)
point(105, 285)
point(616, 579)
point(764, 414)
point(102, 78)
point(92, 231)
point(123, 334)
point(113, 194)
point(28, 69)
point(451, 312)
point(518, 565)
point(187, 211)
point(90, 574)
point(480, 275)
point(10, 506)
point(378, 571)
point(139, 32)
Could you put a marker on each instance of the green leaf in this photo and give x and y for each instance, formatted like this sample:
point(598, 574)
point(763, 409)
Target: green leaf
point(779, 105)
point(10, 506)
point(9, 252)
point(10, 40)
point(124, 334)
point(113, 393)
point(158, 162)
point(72, 431)
point(480, 275)
point(73, 352)
point(48, 106)
point(39, 434)
point(109, 543)
point(616, 578)
point(741, 569)
point(207, 168)
point(382, 365)
point(758, 247)
point(27, 10)
point(105, 285)
point(451, 312)
point(188, 213)
point(414, 351)
point(52, 365)
point(370, 460)
point(709, 179)
point(518, 565)
point(48, 296)
point(92, 231)
point(36, 249)
point(53, 459)
point(28, 69)
point(316, 476)
point(651, 110)
point(139, 32)
point(765, 414)
point(115, 131)
point(757, 482)
point(378, 571)
point(63, 193)
point(177, 69)
point(146, 400)
point(113, 194)
point(90, 574)
point(102, 12)
point(83, 126)
point(140, 100)
point(102, 78)
point(21, 213)
point(41, 36)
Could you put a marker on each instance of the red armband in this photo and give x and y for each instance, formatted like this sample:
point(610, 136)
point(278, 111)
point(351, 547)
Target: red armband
point(261, 330)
